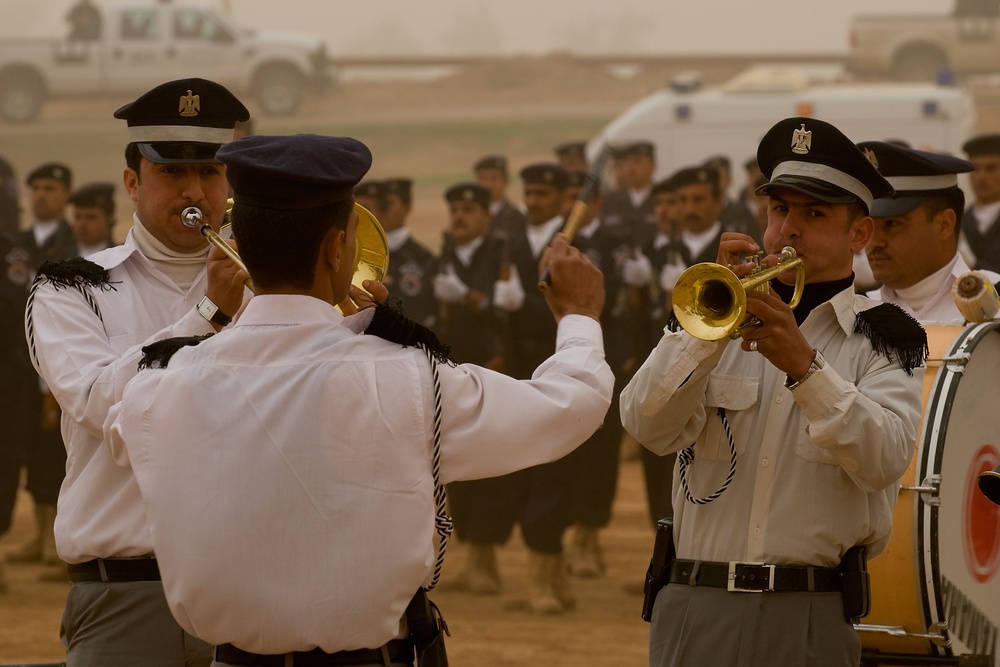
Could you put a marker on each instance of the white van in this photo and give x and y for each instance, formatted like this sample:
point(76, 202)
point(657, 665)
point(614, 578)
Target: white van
point(688, 124)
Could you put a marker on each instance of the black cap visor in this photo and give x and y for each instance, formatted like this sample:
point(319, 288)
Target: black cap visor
point(821, 190)
point(892, 206)
point(179, 152)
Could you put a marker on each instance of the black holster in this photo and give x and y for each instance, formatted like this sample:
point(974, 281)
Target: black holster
point(427, 630)
point(857, 586)
point(659, 565)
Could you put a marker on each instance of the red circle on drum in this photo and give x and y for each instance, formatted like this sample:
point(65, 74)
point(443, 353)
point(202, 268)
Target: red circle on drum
point(981, 519)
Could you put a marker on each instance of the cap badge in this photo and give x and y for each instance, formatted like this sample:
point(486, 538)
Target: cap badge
point(190, 105)
point(57, 173)
point(870, 154)
point(548, 176)
point(802, 140)
point(468, 194)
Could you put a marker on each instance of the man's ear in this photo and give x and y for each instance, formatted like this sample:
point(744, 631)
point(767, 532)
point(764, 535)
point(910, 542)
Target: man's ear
point(333, 247)
point(862, 230)
point(944, 223)
point(131, 181)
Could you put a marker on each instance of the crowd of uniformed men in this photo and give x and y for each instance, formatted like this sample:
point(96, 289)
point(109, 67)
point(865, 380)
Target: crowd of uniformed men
point(478, 293)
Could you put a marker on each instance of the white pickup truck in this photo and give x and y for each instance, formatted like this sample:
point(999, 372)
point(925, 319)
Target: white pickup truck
point(141, 45)
point(915, 47)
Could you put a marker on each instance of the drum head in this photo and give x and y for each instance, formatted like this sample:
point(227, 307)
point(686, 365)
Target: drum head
point(958, 530)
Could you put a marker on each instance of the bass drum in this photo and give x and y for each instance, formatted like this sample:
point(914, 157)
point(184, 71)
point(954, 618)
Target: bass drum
point(934, 590)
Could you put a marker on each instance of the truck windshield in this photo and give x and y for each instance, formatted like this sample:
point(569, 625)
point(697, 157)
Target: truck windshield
point(194, 24)
point(140, 24)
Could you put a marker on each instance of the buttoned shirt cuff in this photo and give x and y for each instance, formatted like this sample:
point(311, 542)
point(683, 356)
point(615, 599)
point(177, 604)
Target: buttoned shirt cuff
point(193, 324)
point(579, 326)
point(819, 393)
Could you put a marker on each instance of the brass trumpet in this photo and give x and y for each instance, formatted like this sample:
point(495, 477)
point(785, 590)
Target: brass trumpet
point(371, 257)
point(710, 302)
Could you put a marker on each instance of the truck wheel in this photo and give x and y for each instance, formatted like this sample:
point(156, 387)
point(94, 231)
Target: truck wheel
point(278, 89)
point(21, 96)
point(918, 63)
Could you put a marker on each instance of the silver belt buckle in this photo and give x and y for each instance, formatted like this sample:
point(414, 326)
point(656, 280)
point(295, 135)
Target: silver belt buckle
point(731, 584)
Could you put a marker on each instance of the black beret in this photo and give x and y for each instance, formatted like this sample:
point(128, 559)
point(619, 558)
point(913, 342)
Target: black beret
point(370, 189)
point(664, 185)
point(577, 149)
point(495, 162)
point(468, 192)
point(984, 144)
point(546, 174)
point(183, 121)
point(751, 163)
point(401, 187)
point(718, 162)
point(636, 148)
point(814, 157)
point(295, 172)
point(695, 176)
point(915, 175)
point(97, 195)
point(54, 170)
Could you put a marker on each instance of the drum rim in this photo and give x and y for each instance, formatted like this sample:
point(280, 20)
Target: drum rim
point(946, 384)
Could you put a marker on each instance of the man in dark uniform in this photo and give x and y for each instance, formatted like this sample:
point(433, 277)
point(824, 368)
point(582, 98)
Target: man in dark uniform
point(16, 371)
point(543, 510)
point(93, 217)
point(413, 265)
point(698, 200)
point(49, 239)
point(632, 202)
point(10, 209)
point(980, 222)
point(470, 264)
point(491, 173)
point(734, 215)
point(572, 155)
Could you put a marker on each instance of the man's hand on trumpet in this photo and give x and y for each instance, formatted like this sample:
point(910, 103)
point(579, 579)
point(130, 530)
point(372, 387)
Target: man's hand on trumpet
point(373, 294)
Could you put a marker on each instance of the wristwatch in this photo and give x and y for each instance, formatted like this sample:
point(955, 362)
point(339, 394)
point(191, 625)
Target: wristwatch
point(818, 362)
point(211, 312)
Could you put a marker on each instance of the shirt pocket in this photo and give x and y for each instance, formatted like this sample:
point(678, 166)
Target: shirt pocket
point(736, 395)
point(808, 450)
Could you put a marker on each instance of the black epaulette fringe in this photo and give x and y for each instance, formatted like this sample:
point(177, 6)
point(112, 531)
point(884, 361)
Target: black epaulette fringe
point(158, 354)
point(673, 325)
point(894, 334)
point(391, 323)
point(74, 272)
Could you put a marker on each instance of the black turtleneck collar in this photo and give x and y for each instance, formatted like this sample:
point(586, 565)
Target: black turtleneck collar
point(813, 294)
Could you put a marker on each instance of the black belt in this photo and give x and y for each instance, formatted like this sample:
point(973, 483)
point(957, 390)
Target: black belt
point(115, 569)
point(399, 650)
point(755, 577)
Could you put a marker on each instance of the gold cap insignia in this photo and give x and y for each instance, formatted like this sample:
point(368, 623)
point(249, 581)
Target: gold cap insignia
point(190, 105)
point(802, 140)
point(468, 194)
point(870, 154)
point(548, 176)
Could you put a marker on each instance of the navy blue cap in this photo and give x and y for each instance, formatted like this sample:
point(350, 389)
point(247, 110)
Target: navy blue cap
point(494, 162)
point(546, 173)
point(468, 192)
point(53, 170)
point(695, 176)
point(915, 175)
point(183, 121)
point(814, 157)
point(95, 195)
point(295, 172)
point(575, 149)
point(664, 185)
point(401, 187)
point(637, 148)
point(370, 189)
point(983, 144)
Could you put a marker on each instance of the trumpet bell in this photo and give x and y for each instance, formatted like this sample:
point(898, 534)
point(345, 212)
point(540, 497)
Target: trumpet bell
point(709, 301)
point(371, 259)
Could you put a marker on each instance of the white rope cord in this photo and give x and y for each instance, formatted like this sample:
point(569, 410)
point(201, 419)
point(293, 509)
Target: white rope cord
point(442, 522)
point(29, 318)
point(686, 457)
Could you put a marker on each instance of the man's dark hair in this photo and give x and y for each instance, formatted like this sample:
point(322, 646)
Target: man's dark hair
point(953, 199)
point(281, 247)
point(133, 157)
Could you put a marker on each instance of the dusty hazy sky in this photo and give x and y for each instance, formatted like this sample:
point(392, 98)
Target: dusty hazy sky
point(399, 27)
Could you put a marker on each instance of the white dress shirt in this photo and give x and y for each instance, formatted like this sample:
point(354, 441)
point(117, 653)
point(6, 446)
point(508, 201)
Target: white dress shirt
point(818, 467)
point(285, 466)
point(86, 361)
point(930, 300)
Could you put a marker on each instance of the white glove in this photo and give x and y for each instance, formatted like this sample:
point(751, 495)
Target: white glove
point(508, 294)
point(448, 287)
point(637, 271)
point(669, 275)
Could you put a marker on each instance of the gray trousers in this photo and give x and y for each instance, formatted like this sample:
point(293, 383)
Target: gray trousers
point(699, 626)
point(125, 625)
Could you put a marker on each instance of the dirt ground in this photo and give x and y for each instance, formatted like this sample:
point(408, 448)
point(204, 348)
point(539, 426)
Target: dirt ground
point(506, 98)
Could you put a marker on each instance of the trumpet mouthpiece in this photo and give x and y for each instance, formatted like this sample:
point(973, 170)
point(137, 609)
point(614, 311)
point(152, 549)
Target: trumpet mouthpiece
point(191, 216)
